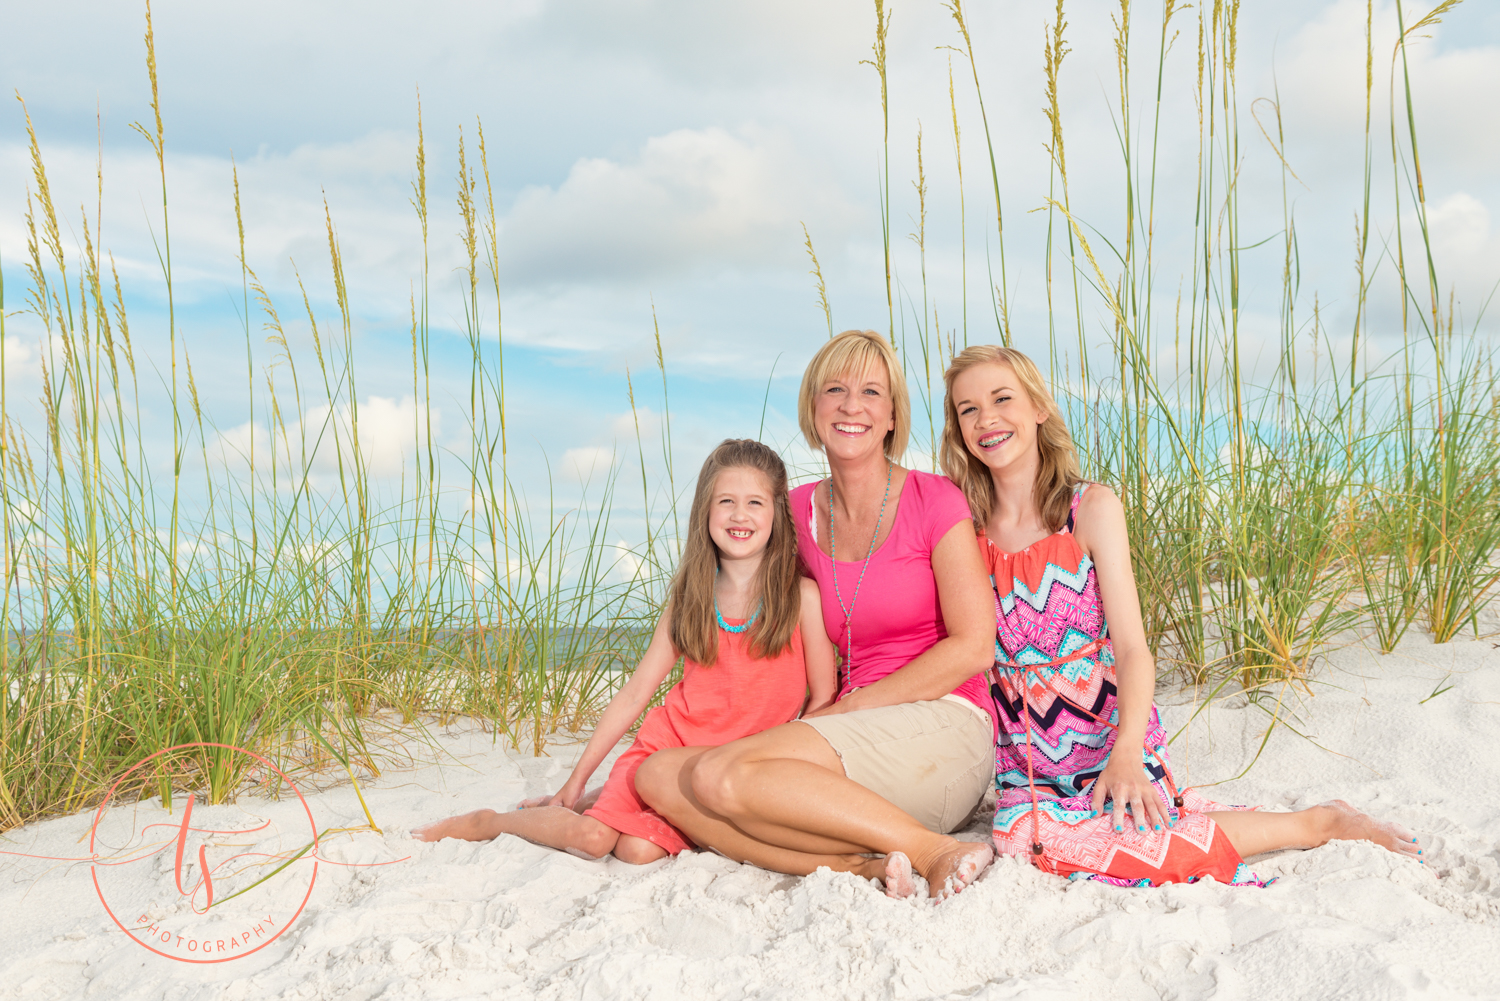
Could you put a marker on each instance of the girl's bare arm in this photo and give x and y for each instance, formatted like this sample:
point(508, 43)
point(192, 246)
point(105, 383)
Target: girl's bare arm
point(623, 710)
point(1102, 535)
point(817, 650)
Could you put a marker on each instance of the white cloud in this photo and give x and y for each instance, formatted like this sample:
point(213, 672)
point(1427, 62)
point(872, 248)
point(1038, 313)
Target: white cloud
point(627, 567)
point(582, 465)
point(1322, 83)
point(758, 44)
point(691, 199)
point(1465, 249)
point(385, 428)
point(23, 359)
point(668, 149)
point(281, 197)
point(643, 420)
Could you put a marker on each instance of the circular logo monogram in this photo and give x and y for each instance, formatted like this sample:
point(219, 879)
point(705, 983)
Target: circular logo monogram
point(202, 883)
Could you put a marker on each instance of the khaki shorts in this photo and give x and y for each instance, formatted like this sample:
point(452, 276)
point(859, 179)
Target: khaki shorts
point(935, 760)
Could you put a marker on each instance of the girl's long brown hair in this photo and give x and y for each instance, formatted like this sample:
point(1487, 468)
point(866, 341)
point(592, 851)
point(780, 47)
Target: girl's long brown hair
point(694, 627)
point(1058, 472)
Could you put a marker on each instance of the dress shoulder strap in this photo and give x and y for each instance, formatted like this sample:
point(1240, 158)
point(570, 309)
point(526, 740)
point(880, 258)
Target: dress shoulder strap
point(1073, 508)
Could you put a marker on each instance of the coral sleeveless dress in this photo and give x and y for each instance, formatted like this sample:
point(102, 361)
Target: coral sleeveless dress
point(1054, 686)
point(735, 698)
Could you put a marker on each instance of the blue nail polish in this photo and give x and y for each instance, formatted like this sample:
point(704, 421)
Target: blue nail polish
point(1118, 828)
point(1158, 827)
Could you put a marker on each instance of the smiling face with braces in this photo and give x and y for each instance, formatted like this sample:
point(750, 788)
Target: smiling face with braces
point(996, 416)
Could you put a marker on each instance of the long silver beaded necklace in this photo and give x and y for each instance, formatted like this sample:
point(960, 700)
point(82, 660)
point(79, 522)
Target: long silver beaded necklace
point(833, 555)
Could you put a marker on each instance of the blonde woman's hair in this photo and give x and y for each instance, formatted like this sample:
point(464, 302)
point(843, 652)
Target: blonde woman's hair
point(1058, 472)
point(694, 626)
point(855, 352)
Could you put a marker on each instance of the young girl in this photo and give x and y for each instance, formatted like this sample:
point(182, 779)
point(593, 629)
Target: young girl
point(750, 632)
point(1074, 678)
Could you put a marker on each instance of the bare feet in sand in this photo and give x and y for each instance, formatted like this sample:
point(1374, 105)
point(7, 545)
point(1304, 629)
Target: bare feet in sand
point(433, 830)
point(895, 873)
point(898, 879)
point(955, 867)
point(480, 825)
point(1345, 823)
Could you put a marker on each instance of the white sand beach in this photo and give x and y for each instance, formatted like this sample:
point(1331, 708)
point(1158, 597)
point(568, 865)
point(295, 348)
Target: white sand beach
point(511, 920)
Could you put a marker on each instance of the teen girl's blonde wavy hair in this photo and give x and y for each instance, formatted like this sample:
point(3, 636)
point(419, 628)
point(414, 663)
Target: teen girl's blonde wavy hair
point(694, 626)
point(1058, 472)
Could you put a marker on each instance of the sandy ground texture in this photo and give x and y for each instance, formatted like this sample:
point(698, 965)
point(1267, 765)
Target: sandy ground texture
point(386, 917)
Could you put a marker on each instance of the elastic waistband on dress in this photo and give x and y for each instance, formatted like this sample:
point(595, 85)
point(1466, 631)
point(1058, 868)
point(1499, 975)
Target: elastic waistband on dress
point(1088, 650)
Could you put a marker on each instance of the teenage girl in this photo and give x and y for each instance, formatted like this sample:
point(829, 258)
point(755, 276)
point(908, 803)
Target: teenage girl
point(755, 653)
point(1074, 679)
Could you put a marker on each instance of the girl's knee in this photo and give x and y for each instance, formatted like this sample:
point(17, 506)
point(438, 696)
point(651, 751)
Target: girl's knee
point(593, 837)
point(658, 780)
point(637, 851)
point(655, 779)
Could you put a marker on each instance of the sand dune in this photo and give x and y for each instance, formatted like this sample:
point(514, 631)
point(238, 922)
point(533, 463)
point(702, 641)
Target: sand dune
point(390, 918)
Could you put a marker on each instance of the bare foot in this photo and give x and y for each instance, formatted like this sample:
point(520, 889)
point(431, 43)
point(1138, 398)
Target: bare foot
point(956, 867)
point(898, 880)
point(432, 831)
point(1348, 824)
point(476, 826)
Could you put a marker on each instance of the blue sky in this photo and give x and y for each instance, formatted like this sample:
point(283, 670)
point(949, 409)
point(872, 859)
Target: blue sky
point(669, 152)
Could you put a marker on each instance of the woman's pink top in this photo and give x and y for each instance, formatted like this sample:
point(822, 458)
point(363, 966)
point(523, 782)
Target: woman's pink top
point(896, 617)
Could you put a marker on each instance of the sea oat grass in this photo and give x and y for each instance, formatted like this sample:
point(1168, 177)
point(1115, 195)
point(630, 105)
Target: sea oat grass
point(327, 620)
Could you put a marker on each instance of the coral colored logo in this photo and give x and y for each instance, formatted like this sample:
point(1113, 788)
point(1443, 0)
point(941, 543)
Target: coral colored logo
point(235, 882)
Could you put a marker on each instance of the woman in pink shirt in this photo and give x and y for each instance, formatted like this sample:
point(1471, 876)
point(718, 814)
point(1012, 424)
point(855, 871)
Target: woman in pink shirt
point(905, 754)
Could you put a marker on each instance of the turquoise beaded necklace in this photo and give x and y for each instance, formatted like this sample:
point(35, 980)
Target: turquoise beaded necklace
point(720, 615)
point(833, 555)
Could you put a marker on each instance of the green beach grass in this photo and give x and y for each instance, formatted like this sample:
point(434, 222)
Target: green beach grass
point(327, 626)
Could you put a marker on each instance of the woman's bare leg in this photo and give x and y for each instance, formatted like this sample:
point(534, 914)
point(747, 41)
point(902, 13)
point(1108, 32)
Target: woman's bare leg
point(553, 826)
point(670, 778)
point(780, 800)
point(1255, 831)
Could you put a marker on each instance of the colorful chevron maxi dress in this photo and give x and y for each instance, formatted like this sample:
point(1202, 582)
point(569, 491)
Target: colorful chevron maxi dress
point(1054, 686)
